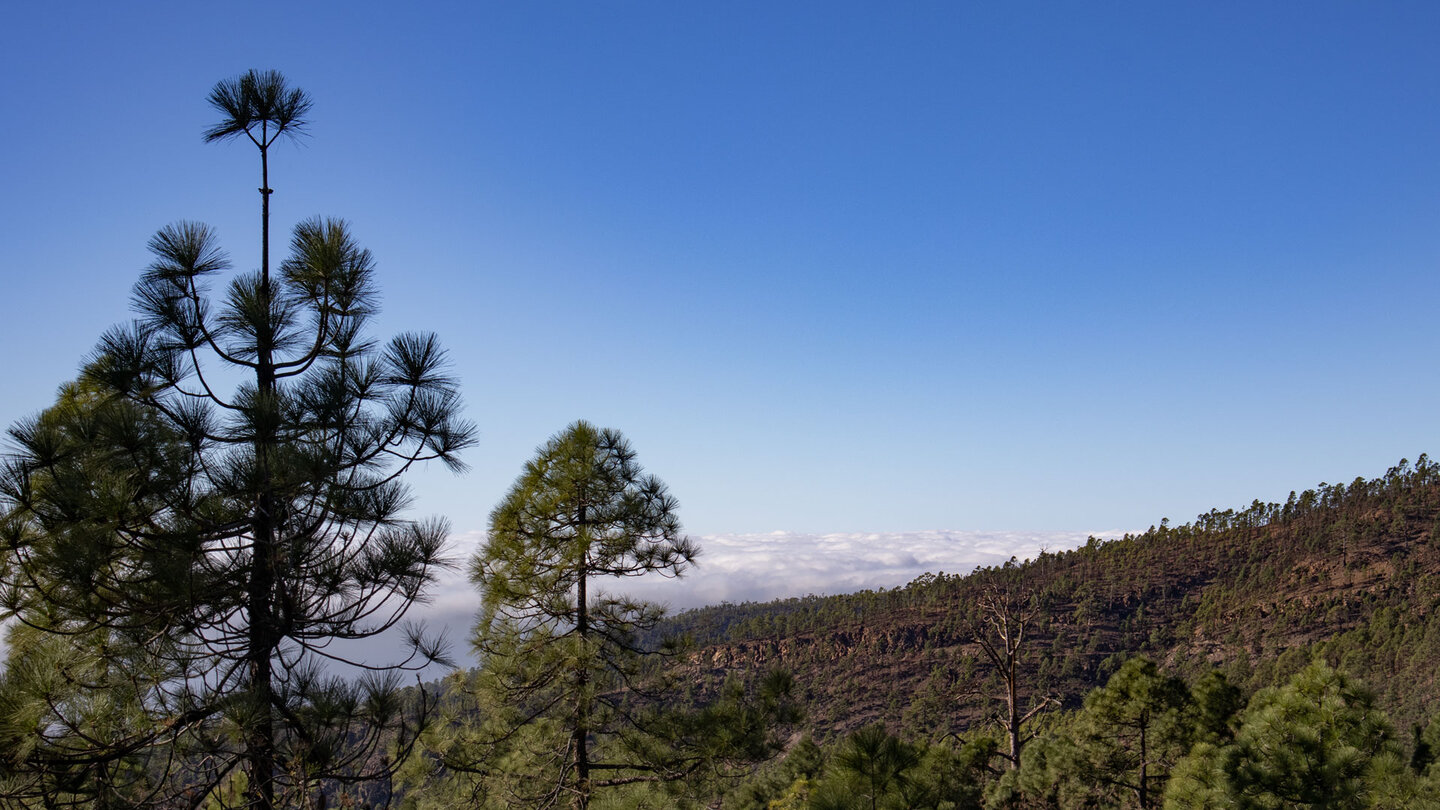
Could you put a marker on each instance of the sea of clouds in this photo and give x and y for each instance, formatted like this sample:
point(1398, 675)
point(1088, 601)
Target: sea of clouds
point(774, 565)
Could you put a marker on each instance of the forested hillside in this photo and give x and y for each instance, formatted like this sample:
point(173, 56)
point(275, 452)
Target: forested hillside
point(1281, 655)
point(1346, 572)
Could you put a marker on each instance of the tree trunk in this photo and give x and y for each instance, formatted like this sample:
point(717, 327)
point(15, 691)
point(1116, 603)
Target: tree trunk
point(260, 737)
point(1144, 765)
point(1012, 703)
point(582, 680)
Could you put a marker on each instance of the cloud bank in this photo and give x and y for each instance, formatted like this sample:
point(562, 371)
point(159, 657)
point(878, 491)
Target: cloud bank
point(762, 567)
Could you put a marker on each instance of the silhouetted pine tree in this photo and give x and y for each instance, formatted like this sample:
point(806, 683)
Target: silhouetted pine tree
point(250, 518)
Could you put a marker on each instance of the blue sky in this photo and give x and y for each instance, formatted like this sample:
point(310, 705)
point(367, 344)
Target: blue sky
point(833, 267)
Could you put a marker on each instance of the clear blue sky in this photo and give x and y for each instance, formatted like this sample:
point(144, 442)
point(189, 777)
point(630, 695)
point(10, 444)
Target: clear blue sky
point(833, 267)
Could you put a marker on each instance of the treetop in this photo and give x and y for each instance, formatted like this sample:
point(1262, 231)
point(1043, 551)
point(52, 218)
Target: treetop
point(258, 98)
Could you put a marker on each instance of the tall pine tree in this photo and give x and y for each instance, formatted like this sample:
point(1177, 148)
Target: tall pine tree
point(252, 514)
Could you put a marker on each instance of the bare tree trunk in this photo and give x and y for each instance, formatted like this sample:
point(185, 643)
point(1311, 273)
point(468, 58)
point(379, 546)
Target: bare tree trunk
point(1012, 707)
point(1000, 631)
point(582, 680)
point(260, 737)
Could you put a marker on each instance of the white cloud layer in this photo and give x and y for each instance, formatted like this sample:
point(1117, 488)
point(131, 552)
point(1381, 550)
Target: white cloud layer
point(761, 567)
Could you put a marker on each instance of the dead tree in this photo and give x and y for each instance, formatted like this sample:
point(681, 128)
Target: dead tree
point(1005, 613)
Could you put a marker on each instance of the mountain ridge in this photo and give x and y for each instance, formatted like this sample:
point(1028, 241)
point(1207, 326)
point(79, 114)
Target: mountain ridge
point(1346, 572)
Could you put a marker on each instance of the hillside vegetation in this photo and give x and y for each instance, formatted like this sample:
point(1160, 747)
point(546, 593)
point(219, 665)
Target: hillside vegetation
point(1348, 573)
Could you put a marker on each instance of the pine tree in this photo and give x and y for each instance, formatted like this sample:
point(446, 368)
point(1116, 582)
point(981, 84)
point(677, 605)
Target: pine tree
point(873, 765)
point(557, 653)
point(569, 696)
point(1318, 741)
point(1131, 733)
point(79, 664)
point(246, 533)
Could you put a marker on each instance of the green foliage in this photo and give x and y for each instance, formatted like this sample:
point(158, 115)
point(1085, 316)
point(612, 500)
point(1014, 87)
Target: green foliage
point(873, 769)
point(787, 782)
point(192, 553)
point(1218, 704)
point(79, 696)
point(951, 778)
point(1131, 733)
point(58, 696)
point(568, 702)
point(582, 509)
point(1117, 751)
point(557, 660)
point(1318, 741)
